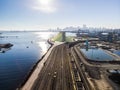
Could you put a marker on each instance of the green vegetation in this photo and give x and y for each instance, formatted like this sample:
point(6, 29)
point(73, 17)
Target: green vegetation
point(69, 39)
point(59, 37)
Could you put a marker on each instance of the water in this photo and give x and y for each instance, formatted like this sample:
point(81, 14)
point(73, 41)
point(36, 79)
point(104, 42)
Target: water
point(117, 52)
point(19, 59)
point(97, 55)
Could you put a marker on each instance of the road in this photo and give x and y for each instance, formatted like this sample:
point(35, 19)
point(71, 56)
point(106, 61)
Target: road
point(55, 74)
point(101, 83)
point(103, 65)
point(81, 72)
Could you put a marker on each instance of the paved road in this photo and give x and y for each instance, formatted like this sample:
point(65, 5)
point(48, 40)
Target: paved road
point(28, 85)
point(55, 75)
point(81, 72)
point(103, 65)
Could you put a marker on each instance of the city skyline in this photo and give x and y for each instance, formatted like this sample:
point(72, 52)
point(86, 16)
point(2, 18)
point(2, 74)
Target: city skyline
point(46, 14)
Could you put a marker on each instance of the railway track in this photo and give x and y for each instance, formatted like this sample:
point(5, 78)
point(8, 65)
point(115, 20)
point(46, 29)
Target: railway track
point(84, 82)
point(55, 75)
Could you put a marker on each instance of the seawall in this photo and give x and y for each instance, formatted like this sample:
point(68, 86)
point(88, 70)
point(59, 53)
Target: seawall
point(35, 70)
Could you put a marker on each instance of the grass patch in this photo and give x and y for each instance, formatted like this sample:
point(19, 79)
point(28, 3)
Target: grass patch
point(58, 37)
point(69, 39)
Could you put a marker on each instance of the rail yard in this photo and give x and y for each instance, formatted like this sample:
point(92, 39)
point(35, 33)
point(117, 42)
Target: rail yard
point(67, 67)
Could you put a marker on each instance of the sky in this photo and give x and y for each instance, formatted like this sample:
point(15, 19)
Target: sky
point(50, 14)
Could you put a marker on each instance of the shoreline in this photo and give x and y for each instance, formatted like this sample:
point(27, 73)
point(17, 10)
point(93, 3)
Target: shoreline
point(35, 66)
point(35, 70)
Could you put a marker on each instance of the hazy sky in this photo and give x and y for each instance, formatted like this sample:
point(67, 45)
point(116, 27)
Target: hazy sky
point(45, 14)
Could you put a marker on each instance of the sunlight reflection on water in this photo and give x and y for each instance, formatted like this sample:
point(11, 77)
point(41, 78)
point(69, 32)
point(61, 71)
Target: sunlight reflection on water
point(28, 48)
point(43, 46)
point(45, 36)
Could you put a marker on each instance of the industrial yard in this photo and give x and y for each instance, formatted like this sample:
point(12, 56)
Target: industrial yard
point(84, 64)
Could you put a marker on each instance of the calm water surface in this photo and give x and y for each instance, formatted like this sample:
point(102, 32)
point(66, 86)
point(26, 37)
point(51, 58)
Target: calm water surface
point(117, 52)
point(97, 55)
point(18, 60)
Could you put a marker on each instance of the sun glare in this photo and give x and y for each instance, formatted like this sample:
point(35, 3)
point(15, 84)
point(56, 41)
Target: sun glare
point(47, 6)
point(45, 2)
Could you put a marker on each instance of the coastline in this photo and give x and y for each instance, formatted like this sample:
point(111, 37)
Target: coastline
point(23, 85)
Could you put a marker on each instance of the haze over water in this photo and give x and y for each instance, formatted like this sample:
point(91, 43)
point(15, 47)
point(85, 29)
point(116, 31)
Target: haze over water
point(16, 62)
